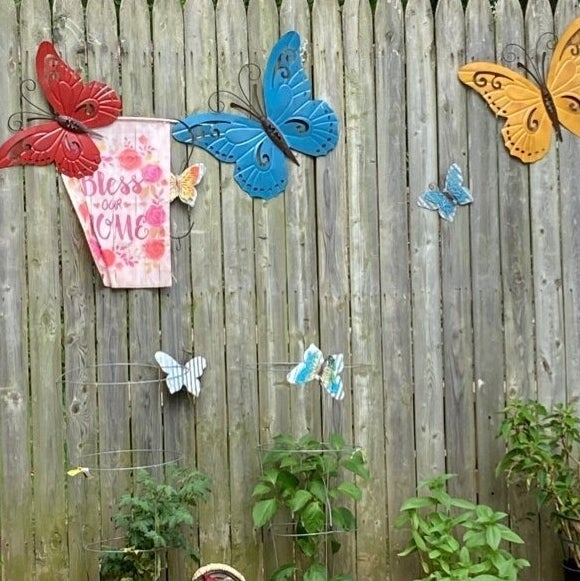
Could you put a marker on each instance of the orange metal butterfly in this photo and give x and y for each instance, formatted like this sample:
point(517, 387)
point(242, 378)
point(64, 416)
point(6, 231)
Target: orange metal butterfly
point(183, 186)
point(532, 109)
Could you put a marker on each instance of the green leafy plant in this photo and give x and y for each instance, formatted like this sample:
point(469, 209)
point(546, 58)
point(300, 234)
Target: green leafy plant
point(154, 518)
point(541, 453)
point(306, 480)
point(457, 540)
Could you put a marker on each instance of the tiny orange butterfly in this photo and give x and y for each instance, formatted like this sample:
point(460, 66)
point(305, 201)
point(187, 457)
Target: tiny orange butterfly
point(183, 186)
point(533, 109)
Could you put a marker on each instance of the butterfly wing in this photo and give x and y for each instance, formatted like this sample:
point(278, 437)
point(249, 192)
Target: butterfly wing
point(435, 199)
point(454, 186)
point(194, 368)
point(330, 377)
point(527, 132)
point(260, 167)
point(308, 125)
point(94, 104)
point(183, 186)
point(176, 373)
point(75, 154)
point(308, 370)
point(563, 80)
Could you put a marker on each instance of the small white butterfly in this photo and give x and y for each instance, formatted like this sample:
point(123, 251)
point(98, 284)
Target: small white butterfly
point(326, 370)
point(179, 376)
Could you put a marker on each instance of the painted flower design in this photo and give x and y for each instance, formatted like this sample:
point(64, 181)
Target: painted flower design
point(155, 215)
point(151, 173)
point(154, 249)
point(129, 159)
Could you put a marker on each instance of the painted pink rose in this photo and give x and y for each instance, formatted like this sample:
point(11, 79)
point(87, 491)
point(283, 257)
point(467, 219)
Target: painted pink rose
point(154, 249)
point(151, 173)
point(108, 257)
point(129, 158)
point(155, 215)
point(84, 212)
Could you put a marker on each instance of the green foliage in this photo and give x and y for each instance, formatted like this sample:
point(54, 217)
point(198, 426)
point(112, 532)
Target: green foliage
point(541, 446)
point(457, 540)
point(153, 519)
point(305, 478)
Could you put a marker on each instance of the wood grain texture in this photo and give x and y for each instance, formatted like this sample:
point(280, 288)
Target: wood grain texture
point(424, 237)
point(397, 379)
point(301, 244)
point(515, 252)
point(79, 325)
point(16, 527)
point(207, 290)
point(455, 257)
point(365, 290)
point(545, 230)
point(240, 311)
point(45, 332)
point(488, 357)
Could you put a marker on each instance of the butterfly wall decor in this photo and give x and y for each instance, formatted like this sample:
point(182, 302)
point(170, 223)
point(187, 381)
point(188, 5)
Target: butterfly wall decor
point(183, 185)
point(261, 143)
point(326, 370)
point(446, 200)
point(179, 376)
point(65, 136)
point(533, 107)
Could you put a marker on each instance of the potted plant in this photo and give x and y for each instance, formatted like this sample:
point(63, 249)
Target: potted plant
point(457, 540)
point(152, 519)
point(310, 482)
point(541, 452)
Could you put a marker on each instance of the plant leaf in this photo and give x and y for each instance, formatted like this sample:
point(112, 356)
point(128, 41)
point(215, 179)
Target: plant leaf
point(284, 572)
point(316, 572)
point(263, 511)
point(350, 489)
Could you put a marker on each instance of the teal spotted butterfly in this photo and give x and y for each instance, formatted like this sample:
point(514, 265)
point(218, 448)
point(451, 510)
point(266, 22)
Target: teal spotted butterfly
point(326, 370)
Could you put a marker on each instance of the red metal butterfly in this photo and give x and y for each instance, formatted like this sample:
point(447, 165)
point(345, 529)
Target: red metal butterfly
point(64, 138)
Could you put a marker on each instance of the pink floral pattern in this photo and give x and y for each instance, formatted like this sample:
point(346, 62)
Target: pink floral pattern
point(124, 206)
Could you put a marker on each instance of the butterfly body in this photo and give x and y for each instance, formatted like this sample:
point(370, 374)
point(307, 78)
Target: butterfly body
point(446, 200)
point(316, 367)
point(259, 144)
point(533, 108)
point(179, 376)
point(64, 137)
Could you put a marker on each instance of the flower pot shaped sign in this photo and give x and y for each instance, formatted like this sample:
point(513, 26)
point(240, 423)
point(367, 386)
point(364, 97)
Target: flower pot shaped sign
point(123, 206)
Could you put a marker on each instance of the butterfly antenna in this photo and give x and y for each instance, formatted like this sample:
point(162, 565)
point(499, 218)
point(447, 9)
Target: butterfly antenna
point(16, 120)
point(510, 55)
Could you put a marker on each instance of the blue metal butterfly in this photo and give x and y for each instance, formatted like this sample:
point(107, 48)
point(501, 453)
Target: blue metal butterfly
point(445, 201)
point(326, 370)
point(258, 145)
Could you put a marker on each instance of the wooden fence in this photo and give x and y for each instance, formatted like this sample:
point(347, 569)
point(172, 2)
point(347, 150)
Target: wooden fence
point(439, 322)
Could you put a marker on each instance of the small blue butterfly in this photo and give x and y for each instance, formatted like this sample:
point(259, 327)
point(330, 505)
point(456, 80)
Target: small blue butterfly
point(326, 370)
point(260, 144)
point(454, 194)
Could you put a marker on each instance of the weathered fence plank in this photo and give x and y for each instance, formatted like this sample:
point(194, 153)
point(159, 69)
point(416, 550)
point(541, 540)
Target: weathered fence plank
point(110, 390)
point(516, 273)
point(485, 263)
point(424, 236)
point(16, 528)
point(207, 290)
point(397, 383)
point(240, 310)
point(79, 325)
point(331, 207)
point(547, 274)
point(301, 263)
point(455, 257)
point(45, 331)
point(365, 291)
